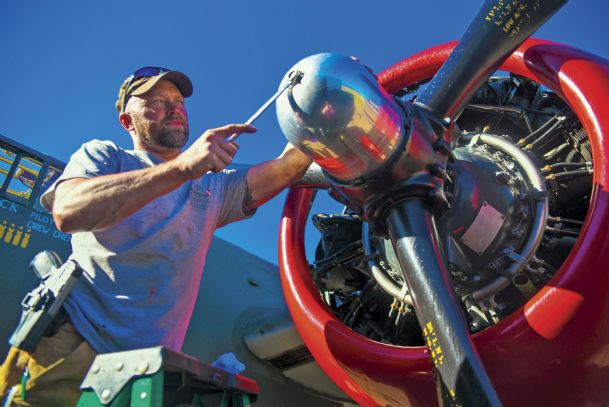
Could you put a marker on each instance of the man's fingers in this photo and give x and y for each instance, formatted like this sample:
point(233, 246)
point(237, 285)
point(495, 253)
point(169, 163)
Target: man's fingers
point(231, 129)
point(219, 161)
point(223, 155)
point(228, 146)
point(212, 151)
point(217, 164)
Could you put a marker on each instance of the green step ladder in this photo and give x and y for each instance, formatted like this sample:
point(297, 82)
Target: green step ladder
point(159, 377)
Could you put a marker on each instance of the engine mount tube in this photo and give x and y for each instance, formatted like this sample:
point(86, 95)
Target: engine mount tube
point(399, 293)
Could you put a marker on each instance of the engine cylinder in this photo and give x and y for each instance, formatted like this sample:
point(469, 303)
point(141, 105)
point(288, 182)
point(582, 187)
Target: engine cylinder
point(341, 117)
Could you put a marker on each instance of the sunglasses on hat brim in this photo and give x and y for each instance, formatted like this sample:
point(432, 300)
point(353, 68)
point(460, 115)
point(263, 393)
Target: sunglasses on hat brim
point(145, 72)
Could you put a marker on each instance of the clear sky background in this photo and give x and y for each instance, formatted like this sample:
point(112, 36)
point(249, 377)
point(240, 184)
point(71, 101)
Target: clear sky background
point(62, 62)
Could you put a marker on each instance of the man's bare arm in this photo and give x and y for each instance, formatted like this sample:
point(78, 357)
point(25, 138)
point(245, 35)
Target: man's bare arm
point(97, 203)
point(82, 204)
point(267, 179)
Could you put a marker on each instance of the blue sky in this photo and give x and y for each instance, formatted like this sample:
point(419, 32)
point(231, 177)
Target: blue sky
point(63, 61)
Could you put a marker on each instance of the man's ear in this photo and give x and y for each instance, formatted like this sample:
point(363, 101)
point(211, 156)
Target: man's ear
point(126, 121)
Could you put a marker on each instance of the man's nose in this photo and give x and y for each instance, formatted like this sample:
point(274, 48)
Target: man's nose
point(176, 108)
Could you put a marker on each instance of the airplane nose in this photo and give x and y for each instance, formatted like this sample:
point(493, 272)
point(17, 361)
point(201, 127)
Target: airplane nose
point(340, 116)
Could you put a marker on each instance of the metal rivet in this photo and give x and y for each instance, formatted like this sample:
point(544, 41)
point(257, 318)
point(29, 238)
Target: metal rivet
point(119, 366)
point(142, 367)
point(95, 369)
point(143, 395)
point(105, 396)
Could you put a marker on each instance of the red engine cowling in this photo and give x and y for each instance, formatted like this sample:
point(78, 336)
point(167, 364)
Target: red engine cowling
point(552, 351)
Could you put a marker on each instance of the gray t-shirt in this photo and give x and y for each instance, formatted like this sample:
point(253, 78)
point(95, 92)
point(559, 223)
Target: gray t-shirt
point(142, 275)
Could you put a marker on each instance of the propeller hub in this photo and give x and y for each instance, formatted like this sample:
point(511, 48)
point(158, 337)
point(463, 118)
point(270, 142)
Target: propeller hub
point(340, 116)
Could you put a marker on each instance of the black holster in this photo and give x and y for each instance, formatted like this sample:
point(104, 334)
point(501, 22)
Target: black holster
point(42, 309)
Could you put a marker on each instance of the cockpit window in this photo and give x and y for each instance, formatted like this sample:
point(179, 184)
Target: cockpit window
point(7, 158)
point(24, 178)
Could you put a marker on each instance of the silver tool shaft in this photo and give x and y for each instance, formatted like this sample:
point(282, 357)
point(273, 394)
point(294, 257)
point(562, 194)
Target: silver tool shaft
point(295, 78)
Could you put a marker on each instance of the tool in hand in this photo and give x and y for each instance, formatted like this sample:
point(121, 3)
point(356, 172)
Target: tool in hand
point(295, 78)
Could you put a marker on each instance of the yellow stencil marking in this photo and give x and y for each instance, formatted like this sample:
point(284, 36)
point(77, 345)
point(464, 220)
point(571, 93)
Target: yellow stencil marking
point(431, 339)
point(509, 15)
point(14, 236)
point(437, 355)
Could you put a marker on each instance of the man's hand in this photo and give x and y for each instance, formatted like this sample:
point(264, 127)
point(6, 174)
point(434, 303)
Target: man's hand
point(211, 151)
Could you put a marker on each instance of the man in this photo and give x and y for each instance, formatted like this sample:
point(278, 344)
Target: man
point(142, 221)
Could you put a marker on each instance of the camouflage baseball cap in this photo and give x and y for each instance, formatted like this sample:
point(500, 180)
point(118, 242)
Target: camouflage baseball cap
point(145, 78)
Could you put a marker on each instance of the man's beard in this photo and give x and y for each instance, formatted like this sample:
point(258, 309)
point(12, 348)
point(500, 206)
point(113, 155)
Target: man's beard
point(160, 135)
point(171, 138)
